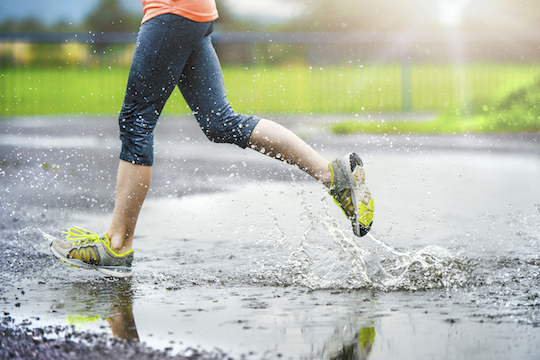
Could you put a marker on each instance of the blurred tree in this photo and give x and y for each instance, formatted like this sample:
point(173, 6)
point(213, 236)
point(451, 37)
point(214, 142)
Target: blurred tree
point(110, 16)
point(64, 26)
point(501, 15)
point(225, 19)
point(23, 25)
point(419, 15)
point(367, 15)
point(228, 22)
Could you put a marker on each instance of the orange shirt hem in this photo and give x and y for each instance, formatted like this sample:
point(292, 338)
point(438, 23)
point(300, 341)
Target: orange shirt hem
point(205, 11)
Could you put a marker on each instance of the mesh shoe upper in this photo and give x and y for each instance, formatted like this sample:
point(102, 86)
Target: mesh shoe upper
point(351, 193)
point(87, 250)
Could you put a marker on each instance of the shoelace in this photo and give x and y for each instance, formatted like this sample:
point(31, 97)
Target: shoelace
point(81, 236)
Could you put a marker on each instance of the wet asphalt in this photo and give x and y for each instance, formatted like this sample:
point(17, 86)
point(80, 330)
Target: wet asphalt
point(54, 167)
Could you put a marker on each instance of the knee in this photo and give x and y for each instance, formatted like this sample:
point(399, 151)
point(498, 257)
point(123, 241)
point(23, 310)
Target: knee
point(228, 127)
point(137, 138)
point(220, 130)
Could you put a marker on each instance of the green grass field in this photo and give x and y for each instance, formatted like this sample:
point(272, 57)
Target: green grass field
point(27, 91)
point(516, 111)
point(442, 125)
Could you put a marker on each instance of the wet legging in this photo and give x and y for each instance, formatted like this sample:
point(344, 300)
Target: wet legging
point(175, 51)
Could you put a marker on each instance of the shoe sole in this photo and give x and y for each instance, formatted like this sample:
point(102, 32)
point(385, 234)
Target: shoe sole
point(359, 229)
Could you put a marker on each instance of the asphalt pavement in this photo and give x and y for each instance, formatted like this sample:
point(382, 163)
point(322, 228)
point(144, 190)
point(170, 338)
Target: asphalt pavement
point(428, 189)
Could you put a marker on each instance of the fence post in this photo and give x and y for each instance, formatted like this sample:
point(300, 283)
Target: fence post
point(406, 75)
point(406, 86)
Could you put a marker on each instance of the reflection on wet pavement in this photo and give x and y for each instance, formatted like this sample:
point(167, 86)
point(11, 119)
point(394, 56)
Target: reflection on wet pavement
point(360, 348)
point(111, 301)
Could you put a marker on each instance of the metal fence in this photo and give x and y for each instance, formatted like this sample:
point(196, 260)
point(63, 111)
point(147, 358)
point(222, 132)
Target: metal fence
point(49, 73)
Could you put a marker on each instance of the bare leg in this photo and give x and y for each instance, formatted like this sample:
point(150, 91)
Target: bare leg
point(278, 142)
point(131, 188)
point(268, 137)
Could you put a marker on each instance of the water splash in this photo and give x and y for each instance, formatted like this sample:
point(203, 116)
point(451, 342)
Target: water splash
point(372, 264)
point(327, 257)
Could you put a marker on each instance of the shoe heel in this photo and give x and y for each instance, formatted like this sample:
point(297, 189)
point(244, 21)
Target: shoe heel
point(355, 160)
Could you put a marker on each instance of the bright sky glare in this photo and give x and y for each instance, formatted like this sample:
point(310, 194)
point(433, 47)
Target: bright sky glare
point(271, 9)
point(451, 11)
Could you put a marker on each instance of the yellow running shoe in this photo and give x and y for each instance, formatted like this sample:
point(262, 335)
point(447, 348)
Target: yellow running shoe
point(351, 193)
point(87, 250)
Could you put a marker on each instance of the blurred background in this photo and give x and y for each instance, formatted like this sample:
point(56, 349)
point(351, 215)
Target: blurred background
point(470, 65)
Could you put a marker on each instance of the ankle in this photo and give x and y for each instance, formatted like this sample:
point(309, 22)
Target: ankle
point(327, 176)
point(120, 244)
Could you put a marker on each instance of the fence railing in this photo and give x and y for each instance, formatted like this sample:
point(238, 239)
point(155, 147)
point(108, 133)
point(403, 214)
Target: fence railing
point(50, 73)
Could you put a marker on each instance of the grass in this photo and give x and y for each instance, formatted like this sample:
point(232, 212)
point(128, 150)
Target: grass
point(287, 89)
point(518, 111)
point(35, 91)
point(442, 125)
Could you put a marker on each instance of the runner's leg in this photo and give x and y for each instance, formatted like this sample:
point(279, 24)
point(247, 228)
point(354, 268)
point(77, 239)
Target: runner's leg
point(203, 88)
point(279, 142)
point(163, 47)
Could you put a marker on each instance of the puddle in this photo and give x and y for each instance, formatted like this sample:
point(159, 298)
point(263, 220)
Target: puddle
point(278, 281)
point(266, 267)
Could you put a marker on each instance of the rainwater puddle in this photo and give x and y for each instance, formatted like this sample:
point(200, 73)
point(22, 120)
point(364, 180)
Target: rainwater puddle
point(270, 270)
point(263, 265)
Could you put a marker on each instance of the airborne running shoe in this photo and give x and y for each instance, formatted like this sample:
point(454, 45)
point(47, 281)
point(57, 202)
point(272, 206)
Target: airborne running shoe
point(350, 192)
point(87, 250)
